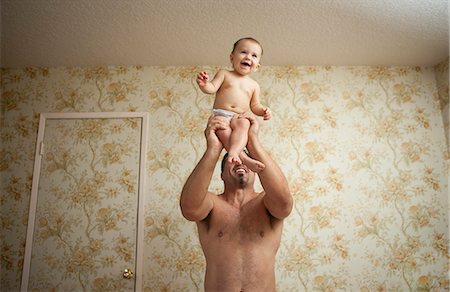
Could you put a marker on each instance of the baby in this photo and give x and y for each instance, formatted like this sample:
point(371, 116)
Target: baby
point(237, 94)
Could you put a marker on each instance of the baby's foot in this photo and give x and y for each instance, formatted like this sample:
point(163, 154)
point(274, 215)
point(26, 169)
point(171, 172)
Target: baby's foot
point(252, 164)
point(234, 159)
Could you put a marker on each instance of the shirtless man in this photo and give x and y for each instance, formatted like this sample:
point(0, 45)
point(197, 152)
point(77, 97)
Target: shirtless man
point(240, 229)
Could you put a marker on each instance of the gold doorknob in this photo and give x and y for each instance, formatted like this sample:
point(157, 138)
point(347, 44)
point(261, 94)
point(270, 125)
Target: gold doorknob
point(128, 274)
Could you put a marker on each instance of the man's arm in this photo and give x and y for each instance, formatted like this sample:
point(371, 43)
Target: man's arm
point(278, 199)
point(196, 201)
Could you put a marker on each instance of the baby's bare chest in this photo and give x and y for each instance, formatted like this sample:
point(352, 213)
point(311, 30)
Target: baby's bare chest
point(238, 85)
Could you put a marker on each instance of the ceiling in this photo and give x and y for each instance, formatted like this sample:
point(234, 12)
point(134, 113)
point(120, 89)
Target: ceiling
point(81, 33)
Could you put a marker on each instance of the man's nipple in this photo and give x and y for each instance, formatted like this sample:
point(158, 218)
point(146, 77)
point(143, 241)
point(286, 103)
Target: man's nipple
point(220, 234)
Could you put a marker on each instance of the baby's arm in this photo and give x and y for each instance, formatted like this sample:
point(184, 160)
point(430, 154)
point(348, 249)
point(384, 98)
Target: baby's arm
point(210, 87)
point(256, 106)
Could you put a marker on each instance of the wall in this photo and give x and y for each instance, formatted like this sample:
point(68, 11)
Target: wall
point(442, 81)
point(363, 149)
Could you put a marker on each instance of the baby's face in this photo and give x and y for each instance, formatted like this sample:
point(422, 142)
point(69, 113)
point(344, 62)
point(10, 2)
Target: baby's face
point(246, 57)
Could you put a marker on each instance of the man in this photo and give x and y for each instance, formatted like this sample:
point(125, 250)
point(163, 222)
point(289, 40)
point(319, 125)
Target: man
point(240, 229)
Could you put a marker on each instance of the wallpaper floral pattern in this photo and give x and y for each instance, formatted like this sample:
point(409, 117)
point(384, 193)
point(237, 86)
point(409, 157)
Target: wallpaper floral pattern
point(364, 150)
point(85, 228)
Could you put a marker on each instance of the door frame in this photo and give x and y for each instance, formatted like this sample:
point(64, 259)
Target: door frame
point(141, 188)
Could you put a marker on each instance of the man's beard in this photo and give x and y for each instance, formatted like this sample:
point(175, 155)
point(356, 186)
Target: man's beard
point(242, 181)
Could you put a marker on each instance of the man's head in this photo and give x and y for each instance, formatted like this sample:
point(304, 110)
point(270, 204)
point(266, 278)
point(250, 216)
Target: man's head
point(246, 56)
point(238, 174)
point(224, 160)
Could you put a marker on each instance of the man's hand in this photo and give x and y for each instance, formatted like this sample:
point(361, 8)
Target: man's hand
point(254, 126)
point(214, 124)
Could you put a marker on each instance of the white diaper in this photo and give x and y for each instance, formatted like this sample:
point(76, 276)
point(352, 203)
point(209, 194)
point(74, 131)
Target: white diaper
point(223, 113)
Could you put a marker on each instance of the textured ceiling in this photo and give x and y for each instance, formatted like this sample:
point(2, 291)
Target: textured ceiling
point(201, 32)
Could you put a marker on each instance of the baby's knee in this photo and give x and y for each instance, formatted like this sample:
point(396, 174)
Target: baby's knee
point(240, 122)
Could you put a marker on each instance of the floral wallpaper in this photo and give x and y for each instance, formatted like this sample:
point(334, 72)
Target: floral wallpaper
point(86, 216)
point(364, 150)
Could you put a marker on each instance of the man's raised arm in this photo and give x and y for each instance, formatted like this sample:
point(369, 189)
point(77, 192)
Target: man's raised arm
point(196, 201)
point(278, 199)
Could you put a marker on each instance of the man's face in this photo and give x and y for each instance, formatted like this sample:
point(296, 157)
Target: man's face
point(238, 174)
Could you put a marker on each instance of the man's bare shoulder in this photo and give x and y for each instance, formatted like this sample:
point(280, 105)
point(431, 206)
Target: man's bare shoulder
point(258, 201)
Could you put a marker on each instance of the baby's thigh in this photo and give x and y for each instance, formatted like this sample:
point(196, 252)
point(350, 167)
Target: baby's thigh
point(239, 122)
point(225, 120)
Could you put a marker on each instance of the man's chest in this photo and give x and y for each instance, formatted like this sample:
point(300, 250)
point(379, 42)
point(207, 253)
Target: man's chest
point(246, 224)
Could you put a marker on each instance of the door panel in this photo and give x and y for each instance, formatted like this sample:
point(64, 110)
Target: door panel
point(86, 213)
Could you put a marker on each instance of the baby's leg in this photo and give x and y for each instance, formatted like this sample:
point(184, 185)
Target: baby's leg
point(225, 134)
point(253, 164)
point(238, 141)
point(238, 138)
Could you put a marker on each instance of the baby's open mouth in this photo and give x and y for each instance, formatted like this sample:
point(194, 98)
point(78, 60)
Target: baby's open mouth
point(245, 64)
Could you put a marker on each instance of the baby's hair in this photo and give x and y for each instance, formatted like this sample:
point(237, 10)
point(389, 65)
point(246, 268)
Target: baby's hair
point(249, 39)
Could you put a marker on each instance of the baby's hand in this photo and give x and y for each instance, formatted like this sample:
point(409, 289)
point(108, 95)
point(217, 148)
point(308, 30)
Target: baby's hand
point(202, 78)
point(267, 113)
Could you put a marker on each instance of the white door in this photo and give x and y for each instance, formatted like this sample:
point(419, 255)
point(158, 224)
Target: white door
point(86, 211)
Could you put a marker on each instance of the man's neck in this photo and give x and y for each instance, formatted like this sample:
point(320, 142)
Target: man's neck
point(237, 197)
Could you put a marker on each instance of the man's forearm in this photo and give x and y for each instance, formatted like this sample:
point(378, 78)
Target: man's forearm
point(193, 195)
point(272, 170)
point(278, 198)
